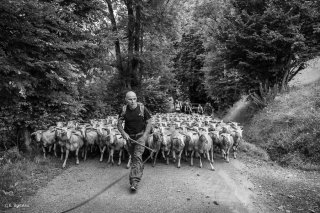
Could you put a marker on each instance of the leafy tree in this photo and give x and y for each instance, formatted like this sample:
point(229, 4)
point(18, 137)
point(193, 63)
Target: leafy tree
point(265, 43)
point(45, 47)
point(137, 26)
point(187, 67)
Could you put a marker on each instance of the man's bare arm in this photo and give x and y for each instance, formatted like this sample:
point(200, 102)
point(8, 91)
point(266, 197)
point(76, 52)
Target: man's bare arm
point(121, 130)
point(148, 128)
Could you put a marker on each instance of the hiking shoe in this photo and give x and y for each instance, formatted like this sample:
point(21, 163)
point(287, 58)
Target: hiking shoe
point(134, 187)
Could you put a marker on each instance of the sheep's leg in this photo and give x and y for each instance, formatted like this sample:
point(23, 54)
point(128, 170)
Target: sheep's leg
point(44, 152)
point(151, 155)
point(223, 154)
point(185, 155)
point(111, 155)
point(179, 158)
point(191, 156)
point(167, 157)
point(227, 155)
point(102, 152)
point(234, 152)
point(61, 153)
point(162, 152)
point(155, 158)
point(55, 150)
point(77, 158)
point(129, 162)
point(50, 147)
point(66, 158)
point(200, 162)
point(211, 162)
point(85, 152)
point(211, 153)
point(174, 156)
point(120, 154)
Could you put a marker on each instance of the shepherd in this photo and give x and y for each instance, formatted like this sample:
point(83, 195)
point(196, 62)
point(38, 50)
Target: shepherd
point(137, 126)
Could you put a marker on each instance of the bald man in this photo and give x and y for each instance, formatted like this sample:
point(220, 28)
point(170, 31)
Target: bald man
point(137, 125)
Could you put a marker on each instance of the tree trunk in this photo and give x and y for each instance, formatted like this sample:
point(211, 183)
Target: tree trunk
point(284, 83)
point(116, 42)
point(137, 27)
point(138, 44)
point(131, 25)
point(27, 139)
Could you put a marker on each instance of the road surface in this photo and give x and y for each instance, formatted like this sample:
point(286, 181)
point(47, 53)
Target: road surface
point(164, 188)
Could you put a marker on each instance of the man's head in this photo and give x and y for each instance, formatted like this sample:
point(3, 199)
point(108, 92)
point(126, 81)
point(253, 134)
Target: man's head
point(131, 99)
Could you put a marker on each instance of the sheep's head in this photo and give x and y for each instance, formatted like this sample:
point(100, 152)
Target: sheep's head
point(37, 135)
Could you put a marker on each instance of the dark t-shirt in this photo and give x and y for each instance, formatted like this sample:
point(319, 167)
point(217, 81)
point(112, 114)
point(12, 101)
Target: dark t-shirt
point(135, 123)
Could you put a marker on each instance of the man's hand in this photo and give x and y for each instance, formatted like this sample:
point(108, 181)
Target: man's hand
point(125, 136)
point(142, 139)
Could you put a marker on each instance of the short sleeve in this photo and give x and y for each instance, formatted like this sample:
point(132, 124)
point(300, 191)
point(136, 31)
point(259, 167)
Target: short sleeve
point(147, 114)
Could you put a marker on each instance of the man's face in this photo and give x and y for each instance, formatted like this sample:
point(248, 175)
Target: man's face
point(131, 100)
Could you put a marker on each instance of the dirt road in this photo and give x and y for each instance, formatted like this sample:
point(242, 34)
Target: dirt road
point(164, 188)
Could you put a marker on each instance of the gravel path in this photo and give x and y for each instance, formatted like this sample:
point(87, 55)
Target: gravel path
point(164, 188)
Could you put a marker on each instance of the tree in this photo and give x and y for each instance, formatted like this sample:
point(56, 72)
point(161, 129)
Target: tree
point(265, 42)
point(45, 47)
point(134, 24)
point(187, 67)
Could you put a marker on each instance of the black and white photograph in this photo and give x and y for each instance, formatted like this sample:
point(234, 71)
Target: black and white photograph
point(160, 106)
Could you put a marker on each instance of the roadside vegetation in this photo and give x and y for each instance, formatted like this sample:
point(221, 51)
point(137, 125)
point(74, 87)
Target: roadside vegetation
point(55, 69)
point(288, 128)
point(22, 176)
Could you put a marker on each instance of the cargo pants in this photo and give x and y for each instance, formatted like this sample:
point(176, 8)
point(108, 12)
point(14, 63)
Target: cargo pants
point(136, 151)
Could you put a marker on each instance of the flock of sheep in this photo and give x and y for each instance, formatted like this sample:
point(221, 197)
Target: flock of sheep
point(174, 135)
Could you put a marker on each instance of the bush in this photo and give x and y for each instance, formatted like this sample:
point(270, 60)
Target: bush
point(253, 150)
point(288, 128)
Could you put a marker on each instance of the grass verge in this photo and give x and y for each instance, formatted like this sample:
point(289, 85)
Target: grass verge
point(288, 129)
point(22, 176)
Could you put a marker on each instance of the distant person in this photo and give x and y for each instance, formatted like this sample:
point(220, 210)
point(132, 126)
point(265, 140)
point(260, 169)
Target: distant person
point(208, 109)
point(177, 106)
point(200, 109)
point(188, 108)
point(137, 125)
point(183, 107)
